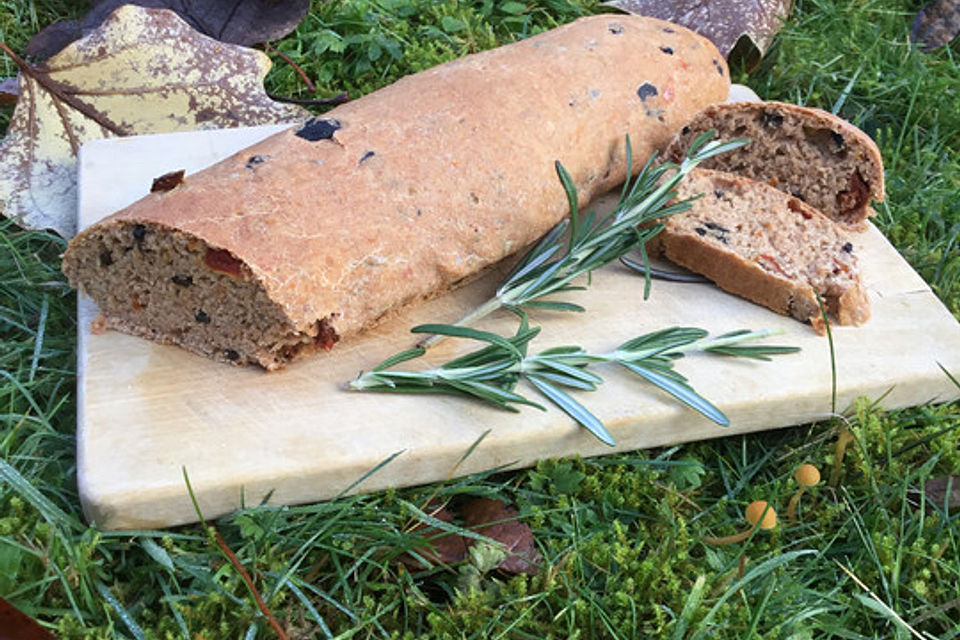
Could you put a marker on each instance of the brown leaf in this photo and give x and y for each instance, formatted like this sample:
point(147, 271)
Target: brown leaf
point(722, 21)
point(53, 38)
point(16, 625)
point(944, 492)
point(936, 24)
point(142, 71)
point(9, 90)
point(439, 547)
point(497, 521)
point(243, 22)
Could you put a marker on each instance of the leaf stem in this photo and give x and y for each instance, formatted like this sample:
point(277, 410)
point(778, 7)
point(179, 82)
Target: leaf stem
point(340, 98)
point(312, 88)
point(58, 94)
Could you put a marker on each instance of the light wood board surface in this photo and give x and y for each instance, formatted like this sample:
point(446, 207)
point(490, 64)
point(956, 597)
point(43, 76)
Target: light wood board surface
point(147, 412)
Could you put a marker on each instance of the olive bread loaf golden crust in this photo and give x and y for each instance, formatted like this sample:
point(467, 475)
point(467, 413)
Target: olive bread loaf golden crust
point(315, 233)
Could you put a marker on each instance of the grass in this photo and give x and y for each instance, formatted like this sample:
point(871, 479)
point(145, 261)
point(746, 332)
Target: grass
point(620, 535)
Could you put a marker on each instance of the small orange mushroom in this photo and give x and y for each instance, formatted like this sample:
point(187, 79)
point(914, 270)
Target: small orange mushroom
point(759, 514)
point(806, 475)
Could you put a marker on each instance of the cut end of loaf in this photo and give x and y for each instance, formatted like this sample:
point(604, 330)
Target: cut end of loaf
point(173, 288)
point(808, 153)
point(756, 242)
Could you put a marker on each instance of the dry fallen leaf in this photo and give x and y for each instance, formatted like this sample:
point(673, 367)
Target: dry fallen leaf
point(936, 24)
point(943, 492)
point(490, 518)
point(14, 624)
point(722, 21)
point(243, 22)
point(142, 71)
point(497, 521)
point(440, 547)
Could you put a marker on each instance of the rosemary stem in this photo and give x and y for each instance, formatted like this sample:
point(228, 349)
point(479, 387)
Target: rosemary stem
point(533, 364)
point(492, 372)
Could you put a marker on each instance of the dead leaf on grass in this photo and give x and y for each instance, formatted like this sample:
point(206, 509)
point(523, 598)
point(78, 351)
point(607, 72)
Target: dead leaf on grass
point(16, 624)
point(493, 519)
point(142, 71)
point(243, 22)
point(722, 21)
point(440, 547)
point(936, 24)
point(498, 521)
point(943, 492)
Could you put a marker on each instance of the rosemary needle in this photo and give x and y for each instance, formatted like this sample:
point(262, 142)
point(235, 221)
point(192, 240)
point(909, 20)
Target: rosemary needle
point(576, 246)
point(491, 373)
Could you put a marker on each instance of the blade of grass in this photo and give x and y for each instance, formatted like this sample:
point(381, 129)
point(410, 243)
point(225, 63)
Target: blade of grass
point(872, 601)
point(119, 609)
point(766, 567)
point(38, 343)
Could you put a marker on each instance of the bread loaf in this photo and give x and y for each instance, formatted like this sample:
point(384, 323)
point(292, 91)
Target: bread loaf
point(315, 233)
point(811, 154)
point(766, 246)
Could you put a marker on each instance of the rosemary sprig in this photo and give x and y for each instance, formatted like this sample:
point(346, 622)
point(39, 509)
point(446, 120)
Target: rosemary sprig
point(491, 373)
point(591, 242)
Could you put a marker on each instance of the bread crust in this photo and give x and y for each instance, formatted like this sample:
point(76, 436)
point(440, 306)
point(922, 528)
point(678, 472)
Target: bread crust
point(823, 149)
point(406, 192)
point(771, 248)
point(742, 277)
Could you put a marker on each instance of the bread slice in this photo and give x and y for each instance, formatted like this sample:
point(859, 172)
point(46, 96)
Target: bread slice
point(811, 154)
point(768, 247)
point(315, 233)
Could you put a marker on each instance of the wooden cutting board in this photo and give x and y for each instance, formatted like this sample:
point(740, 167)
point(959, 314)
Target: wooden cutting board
point(147, 412)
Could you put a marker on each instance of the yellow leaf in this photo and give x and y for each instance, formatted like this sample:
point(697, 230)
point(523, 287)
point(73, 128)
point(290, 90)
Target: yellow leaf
point(142, 71)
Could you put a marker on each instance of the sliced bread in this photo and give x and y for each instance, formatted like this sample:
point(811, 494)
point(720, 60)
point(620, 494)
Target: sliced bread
point(809, 153)
point(768, 247)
